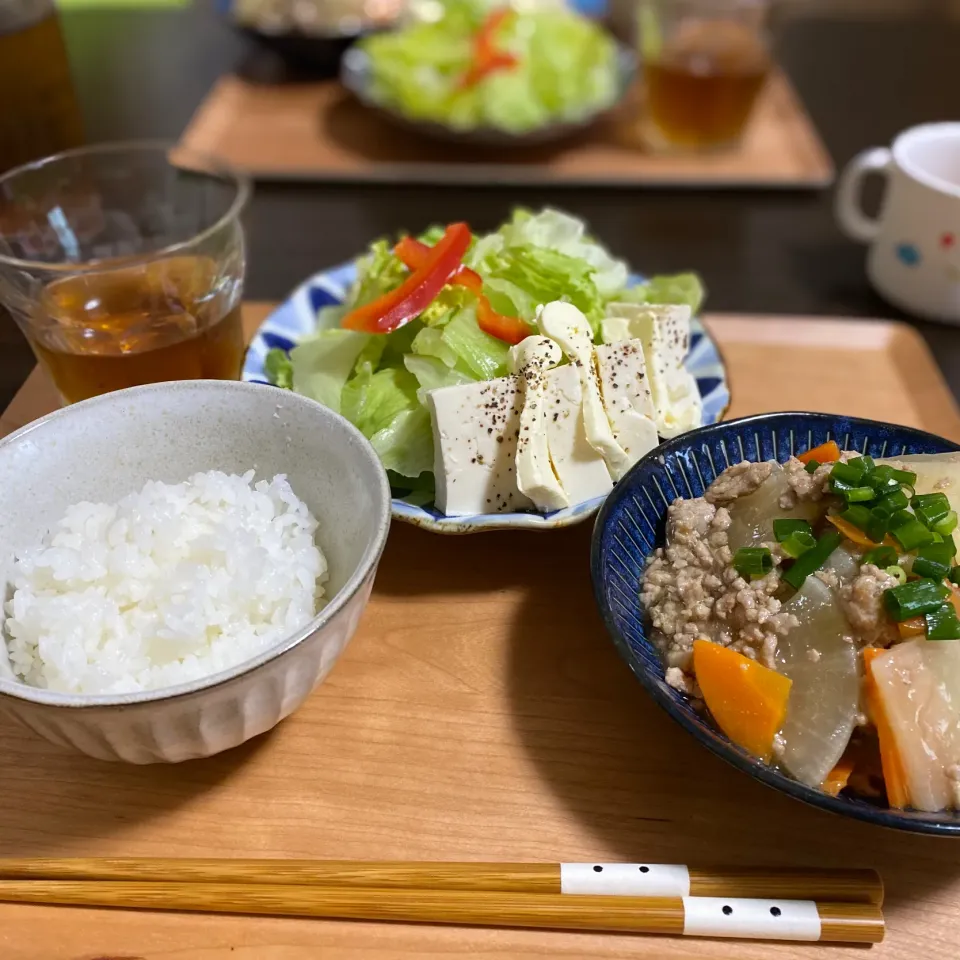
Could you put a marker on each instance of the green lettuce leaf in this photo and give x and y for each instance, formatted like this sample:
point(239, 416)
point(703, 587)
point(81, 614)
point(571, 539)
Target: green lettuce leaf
point(277, 367)
point(432, 374)
point(378, 272)
point(321, 366)
point(679, 288)
point(385, 408)
point(484, 355)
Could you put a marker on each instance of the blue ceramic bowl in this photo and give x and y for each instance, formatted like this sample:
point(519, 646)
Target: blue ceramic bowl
point(631, 525)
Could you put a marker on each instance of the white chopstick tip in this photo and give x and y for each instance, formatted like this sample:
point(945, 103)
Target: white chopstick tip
point(751, 919)
point(626, 879)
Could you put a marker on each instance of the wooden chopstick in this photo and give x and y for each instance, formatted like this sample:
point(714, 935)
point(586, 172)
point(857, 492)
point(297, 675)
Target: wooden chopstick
point(687, 916)
point(632, 879)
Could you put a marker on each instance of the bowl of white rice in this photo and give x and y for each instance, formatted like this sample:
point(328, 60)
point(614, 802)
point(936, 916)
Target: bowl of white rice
point(180, 565)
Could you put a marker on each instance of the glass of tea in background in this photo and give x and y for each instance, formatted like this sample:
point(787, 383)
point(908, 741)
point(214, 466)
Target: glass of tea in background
point(123, 264)
point(39, 112)
point(704, 62)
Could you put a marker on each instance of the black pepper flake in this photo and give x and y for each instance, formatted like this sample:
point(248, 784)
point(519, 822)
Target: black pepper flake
point(499, 439)
point(556, 417)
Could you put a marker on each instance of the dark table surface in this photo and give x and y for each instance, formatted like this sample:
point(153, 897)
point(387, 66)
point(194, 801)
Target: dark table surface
point(142, 73)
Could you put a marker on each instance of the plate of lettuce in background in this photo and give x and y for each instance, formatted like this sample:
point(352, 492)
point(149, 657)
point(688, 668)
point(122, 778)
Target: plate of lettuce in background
point(491, 75)
point(378, 382)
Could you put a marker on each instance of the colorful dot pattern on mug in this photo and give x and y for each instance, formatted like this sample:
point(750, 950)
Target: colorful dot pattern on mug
point(947, 240)
point(908, 254)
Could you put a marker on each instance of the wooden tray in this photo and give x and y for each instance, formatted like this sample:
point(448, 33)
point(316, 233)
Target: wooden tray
point(318, 131)
point(481, 713)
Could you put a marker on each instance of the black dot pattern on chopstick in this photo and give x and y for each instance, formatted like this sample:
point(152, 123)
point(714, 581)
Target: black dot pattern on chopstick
point(775, 911)
point(598, 869)
point(727, 909)
point(644, 869)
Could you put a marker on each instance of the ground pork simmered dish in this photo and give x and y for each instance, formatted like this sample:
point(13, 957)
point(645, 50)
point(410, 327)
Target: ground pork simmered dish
point(811, 608)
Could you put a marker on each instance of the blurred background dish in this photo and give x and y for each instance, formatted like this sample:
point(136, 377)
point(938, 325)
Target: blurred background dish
point(357, 75)
point(489, 73)
point(311, 36)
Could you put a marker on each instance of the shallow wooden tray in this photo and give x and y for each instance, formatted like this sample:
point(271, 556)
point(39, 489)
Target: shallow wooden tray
point(317, 131)
point(482, 713)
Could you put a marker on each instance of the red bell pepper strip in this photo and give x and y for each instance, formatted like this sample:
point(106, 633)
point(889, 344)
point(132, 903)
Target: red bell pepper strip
point(486, 58)
point(392, 310)
point(413, 252)
point(508, 329)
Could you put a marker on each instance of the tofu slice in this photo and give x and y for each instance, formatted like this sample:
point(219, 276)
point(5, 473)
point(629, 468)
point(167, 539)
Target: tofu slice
point(627, 396)
point(580, 469)
point(564, 323)
point(665, 334)
point(475, 430)
point(532, 358)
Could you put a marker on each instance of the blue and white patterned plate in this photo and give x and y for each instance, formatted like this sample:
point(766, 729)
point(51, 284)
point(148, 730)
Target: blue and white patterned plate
point(296, 319)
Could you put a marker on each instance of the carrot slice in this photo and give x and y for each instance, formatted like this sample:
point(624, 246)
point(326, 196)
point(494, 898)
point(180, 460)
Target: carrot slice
point(837, 778)
point(914, 627)
point(858, 536)
point(748, 700)
point(894, 776)
point(826, 453)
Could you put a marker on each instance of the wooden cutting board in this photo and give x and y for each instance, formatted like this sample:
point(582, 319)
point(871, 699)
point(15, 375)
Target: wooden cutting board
point(482, 713)
point(319, 132)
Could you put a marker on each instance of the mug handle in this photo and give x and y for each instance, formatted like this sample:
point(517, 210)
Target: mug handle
point(853, 221)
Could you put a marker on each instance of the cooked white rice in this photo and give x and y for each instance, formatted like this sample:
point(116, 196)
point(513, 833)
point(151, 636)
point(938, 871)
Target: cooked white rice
point(173, 583)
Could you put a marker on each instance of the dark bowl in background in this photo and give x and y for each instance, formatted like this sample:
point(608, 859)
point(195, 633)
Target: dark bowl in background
point(631, 526)
point(307, 54)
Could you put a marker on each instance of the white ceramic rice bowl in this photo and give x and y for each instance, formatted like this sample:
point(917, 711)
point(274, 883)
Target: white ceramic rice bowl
point(110, 446)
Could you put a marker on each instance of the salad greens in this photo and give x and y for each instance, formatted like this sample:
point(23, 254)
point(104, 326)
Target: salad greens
point(540, 66)
point(377, 381)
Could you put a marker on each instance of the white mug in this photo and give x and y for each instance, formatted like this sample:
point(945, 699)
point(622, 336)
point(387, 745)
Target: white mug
point(914, 259)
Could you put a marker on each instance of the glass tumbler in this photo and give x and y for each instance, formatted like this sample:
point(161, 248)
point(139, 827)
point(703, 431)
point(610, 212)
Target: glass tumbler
point(704, 63)
point(123, 264)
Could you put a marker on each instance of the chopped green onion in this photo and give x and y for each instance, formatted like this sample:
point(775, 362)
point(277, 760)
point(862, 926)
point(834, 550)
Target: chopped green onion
point(784, 527)
point(868, 463)
point(753, 562)
point(955, 575)
point(812, 560)
point(858, 515)
point(909, 532)
point(849, 473)
point(936, 537)
point(931, 568)
point(941, 553)
point(884, 488)
point(947, 525)
point(951, 543)
point(897, 500)
point(931, 508)
point(904, 476)
point(882, 474)
point(878, 525)
point(913, 598)
point(798, 543)
point(930, 516)
point(942, 624)
point(874, 523)
point(897, 572)
point(812, 467)
point(859, 494)
point(930, 500)
point(880, 556)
